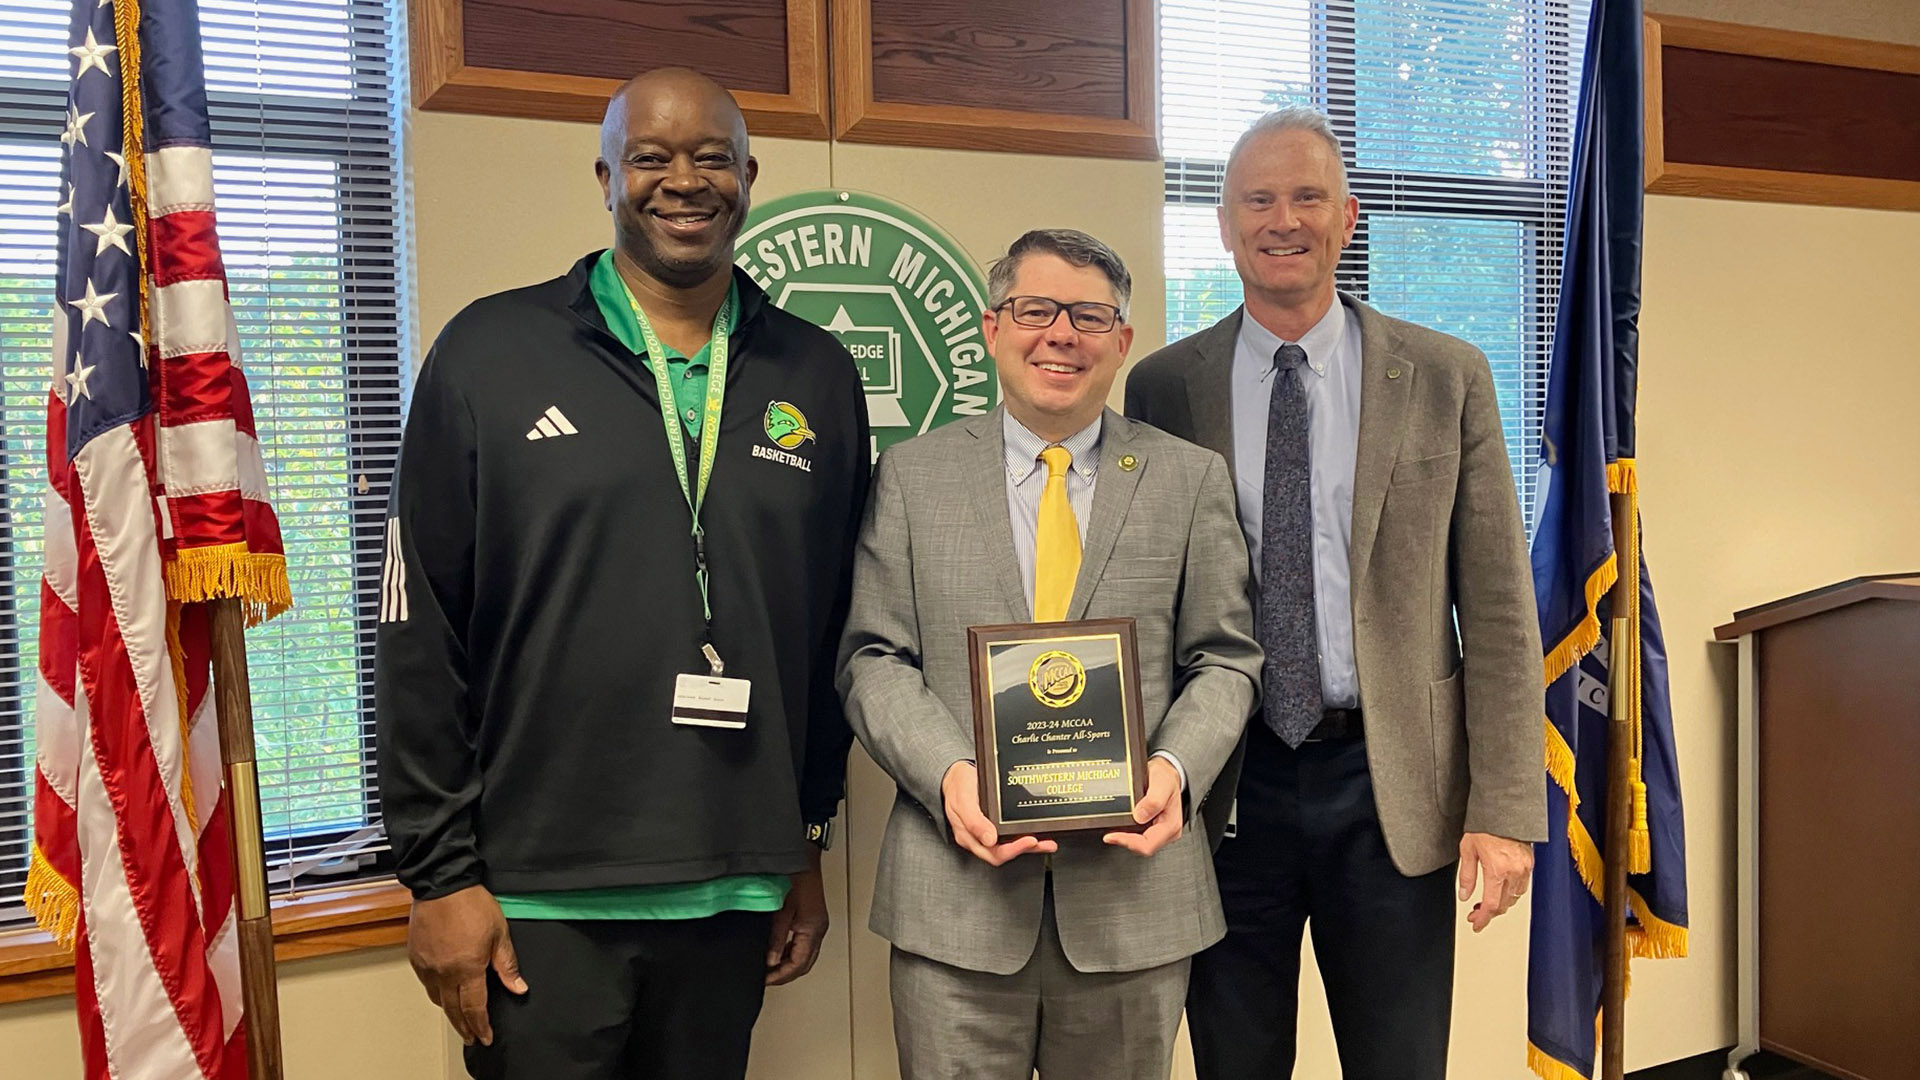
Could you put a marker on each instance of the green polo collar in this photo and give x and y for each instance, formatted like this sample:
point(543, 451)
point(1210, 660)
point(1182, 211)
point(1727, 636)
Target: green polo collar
point(616, 306)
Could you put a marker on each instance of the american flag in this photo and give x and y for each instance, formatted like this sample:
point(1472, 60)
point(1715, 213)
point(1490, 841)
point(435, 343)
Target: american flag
point(156, 501)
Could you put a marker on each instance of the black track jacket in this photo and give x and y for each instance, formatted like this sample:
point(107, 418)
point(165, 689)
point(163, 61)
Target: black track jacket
point(539, 599)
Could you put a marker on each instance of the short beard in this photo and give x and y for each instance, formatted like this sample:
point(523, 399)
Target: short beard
point(673, 273)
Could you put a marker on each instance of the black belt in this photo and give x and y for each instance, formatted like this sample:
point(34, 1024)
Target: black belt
point(1336, 724)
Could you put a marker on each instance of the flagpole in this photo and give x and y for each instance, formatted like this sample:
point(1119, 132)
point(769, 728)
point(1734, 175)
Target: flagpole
point(1620, 691)
point(234, 704)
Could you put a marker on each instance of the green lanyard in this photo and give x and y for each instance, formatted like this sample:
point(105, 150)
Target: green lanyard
point(709, 425)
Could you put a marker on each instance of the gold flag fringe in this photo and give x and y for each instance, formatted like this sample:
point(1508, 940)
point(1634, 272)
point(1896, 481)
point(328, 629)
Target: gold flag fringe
point(1560, 762)
point(177, 654)
point(1586, 634)
point(1623, 477)
point(1654, 938)
point(230, 570)
point(133, 144)
point(52, 900)
point(1548, 1067)
point(1586, 856)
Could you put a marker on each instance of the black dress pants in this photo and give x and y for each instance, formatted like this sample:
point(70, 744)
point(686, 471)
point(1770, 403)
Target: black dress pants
point(667, 999)
point(1308, 851)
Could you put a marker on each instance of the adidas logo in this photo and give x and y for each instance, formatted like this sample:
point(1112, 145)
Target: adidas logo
point(552, 425)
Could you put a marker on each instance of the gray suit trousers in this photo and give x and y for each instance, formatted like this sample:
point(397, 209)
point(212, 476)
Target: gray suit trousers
point(955, 1024)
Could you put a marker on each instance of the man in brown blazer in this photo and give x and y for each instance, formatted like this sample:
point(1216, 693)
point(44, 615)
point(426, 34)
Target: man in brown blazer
point(1397, 758)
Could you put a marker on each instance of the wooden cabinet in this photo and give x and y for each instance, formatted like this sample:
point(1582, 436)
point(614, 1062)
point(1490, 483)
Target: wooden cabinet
point(561, 61)
point(1066, 77)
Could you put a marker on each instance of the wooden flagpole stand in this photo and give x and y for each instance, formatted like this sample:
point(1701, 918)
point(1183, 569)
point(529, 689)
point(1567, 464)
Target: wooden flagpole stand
point(1613, 979)
point(234, 704)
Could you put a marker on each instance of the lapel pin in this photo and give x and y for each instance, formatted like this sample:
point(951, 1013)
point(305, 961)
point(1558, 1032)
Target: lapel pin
point(1393, 373)
point(1128, 463)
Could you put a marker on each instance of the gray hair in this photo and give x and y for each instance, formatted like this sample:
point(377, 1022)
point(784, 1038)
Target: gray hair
point(1072, 245)
point(1293, 118)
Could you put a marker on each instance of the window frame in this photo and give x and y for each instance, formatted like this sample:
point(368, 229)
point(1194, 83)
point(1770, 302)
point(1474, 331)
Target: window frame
point(339, 919)
point(1334, 81)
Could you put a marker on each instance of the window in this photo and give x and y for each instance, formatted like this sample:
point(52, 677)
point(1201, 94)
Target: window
point(307, 189)
point(1458, 118)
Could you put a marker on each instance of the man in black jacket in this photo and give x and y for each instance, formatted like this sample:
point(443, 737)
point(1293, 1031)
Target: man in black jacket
point(618, 561)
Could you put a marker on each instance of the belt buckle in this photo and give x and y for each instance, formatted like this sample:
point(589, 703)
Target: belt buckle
point(1342, 718)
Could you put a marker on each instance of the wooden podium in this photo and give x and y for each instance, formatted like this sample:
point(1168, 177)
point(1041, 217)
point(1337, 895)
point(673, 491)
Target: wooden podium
point(1829, 828)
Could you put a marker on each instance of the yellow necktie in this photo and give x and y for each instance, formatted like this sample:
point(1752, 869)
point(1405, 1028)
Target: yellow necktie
point(1056, 548)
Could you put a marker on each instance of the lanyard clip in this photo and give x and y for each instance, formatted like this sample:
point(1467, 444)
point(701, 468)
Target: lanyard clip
point(700, 549)
point(713, 659)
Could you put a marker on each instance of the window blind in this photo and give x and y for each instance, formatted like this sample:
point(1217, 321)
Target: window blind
point(1457, 116)
point(306, 181)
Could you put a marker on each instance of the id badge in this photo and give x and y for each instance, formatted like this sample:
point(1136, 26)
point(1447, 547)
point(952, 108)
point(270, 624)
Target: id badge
point(710, 701)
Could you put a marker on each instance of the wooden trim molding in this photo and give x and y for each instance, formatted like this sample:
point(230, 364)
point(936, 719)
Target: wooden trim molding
point(316, 924)
point(1673, 168)
point(859, 117)
point(443, 81)
point(1772, 185)
point(1653, 136)
point(1681, 32)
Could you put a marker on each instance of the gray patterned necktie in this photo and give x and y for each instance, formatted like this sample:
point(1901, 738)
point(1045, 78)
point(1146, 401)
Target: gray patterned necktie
point(1289, 631)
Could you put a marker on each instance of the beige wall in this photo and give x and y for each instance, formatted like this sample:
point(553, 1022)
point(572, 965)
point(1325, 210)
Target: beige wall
point(1777, 452)
point(361, 1015)
point(474, 233)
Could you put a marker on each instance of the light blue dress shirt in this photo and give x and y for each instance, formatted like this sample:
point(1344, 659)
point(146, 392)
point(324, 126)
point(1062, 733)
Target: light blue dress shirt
point(1027, 480)
point(1332, 381)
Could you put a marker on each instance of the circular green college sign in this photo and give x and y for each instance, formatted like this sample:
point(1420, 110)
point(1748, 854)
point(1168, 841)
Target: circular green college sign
point(900, 294)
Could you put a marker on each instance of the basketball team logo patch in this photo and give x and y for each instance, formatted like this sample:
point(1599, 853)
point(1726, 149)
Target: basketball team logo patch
point(786, 426)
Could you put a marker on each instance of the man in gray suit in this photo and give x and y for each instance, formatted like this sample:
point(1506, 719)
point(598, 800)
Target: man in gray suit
point(1014, 953)
point(1399, 753)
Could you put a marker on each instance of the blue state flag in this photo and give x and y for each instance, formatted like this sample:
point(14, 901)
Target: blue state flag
point(1588, 457)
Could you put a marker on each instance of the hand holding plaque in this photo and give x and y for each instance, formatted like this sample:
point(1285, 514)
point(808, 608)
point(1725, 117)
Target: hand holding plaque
point(1160, 814)
point(1058, 734)
point(971, 830)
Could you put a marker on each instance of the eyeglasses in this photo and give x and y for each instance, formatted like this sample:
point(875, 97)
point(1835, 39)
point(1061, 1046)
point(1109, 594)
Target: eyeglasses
point(1038, 313)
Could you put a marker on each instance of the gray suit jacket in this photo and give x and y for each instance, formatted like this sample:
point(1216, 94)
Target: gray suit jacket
point(935, 556)
point(1439, 571)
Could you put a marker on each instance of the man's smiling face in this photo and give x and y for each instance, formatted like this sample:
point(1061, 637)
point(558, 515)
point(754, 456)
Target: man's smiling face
point(675, 173)
point(1286, 215)
point(1055, 378)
